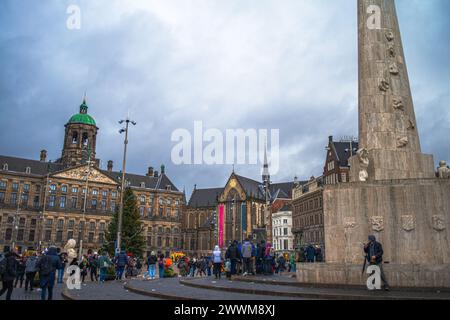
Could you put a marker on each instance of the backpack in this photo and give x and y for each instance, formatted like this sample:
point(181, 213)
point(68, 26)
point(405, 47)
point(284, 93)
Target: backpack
point(45, 266)
point(247, 250)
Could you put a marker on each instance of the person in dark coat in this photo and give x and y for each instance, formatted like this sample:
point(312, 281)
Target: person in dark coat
point(21, 264)
point(121, 261)
point(233, 254)
point(9, 275)
point(47, 266)
point(30, 271)
point(310, 253)
point(374, 256)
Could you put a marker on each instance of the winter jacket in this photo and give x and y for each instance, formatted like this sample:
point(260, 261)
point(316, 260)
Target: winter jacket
point(217, 256)
point(11, 267)
point(122, 259)
point(152, 260)
point(54, 261)
point(377, 252)
point(232, 252)
point(31, 265)
point(310, 252)
point(102, 260)
point(21, 267)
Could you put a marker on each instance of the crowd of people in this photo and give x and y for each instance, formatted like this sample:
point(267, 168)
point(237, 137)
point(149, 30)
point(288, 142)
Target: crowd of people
point(239, 258)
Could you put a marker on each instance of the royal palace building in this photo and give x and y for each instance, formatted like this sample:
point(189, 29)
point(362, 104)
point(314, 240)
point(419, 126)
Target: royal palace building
point(45, 203)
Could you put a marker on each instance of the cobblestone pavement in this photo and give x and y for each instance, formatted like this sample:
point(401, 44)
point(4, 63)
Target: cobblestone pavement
point(21, 294)
point(173, 288)
point(110, 290)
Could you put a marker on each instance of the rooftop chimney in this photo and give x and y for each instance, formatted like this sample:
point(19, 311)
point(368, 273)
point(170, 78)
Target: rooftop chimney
point(110, 165)
point(151, 172)
point(156, 175)
point(43, 157)
point(163, 169)
point(330, 138)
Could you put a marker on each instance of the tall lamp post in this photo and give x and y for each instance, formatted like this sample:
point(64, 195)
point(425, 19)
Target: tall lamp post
point(119, 222)
point(88, 172)
point(16, 219)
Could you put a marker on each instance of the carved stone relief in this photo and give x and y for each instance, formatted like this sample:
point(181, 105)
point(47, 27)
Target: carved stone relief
point(393, 69)
point(411, 125)
point(377, 223)
point(390, 36)
point(384, 85)
point(408, 222)
point(349, 223)
point(397, 103)
point(438, 223)
point(402, 142)
point(391, 51)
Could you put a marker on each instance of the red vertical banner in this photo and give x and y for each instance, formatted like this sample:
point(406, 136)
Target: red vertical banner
point(221, 224)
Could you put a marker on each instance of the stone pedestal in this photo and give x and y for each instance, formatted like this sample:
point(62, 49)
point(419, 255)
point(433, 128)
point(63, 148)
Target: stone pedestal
point(403, 276)
point(411, 219)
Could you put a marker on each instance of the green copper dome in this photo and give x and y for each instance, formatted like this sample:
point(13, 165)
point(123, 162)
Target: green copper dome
point(83, 117)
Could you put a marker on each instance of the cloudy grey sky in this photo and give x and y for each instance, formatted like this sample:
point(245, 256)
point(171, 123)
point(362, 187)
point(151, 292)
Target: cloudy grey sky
point(274, 64)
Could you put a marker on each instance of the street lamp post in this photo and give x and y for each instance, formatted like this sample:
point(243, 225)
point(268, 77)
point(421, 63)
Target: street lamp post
point(16, 220)
point(42, 215)
point(88, 171)
point(120, 217)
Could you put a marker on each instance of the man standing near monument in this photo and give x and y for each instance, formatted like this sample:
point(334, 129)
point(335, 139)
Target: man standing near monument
point(374, 255)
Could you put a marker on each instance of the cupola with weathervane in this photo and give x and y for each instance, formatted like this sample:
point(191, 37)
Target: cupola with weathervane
point(80, 138)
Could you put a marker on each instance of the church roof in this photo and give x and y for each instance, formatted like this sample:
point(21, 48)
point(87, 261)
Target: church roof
point(201, 198)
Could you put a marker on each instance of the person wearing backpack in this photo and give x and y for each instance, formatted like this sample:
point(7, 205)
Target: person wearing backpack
point(103, 262)
point(47, 266)
point(247, 256)
point(8, 272)
point(30, 271)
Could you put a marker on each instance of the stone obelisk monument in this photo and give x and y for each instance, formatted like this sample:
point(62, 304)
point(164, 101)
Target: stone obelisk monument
point(387, 122)
point(394, 193)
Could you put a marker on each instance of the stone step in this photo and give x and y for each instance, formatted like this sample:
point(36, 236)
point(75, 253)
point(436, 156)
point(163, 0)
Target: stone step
point(290, 291)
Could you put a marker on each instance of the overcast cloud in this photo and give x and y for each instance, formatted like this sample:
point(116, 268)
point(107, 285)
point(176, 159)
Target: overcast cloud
point(263, 64)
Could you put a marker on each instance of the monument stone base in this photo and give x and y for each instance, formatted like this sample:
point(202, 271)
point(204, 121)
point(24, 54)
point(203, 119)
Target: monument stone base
point(398, 275)
point(410, 218)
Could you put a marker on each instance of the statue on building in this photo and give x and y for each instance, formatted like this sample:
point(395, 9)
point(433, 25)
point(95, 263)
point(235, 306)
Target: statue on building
point(443, 170)
point(363, 156)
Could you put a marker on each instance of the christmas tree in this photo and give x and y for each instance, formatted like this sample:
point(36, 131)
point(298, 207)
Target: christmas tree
point(133, 240)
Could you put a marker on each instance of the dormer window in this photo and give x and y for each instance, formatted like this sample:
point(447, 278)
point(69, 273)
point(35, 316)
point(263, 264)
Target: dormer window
point(168, 187)
point(142, 184)
point(28, 170)
point(5, 167)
